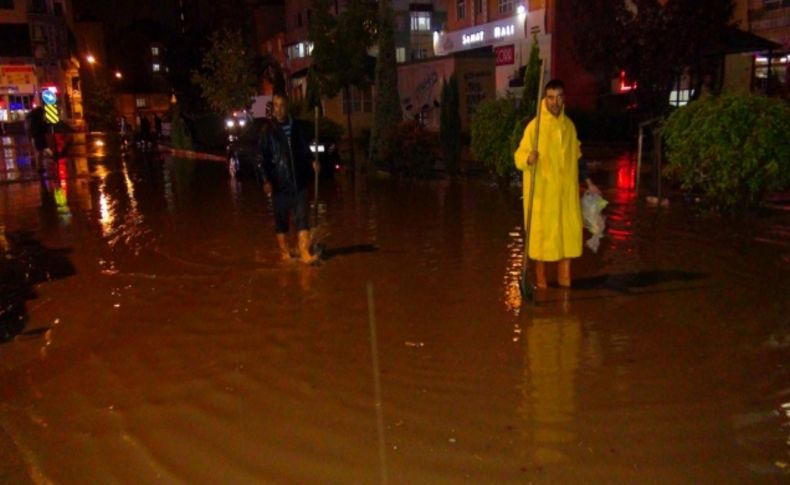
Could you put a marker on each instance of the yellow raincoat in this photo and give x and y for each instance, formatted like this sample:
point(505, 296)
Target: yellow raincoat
point(556, 231)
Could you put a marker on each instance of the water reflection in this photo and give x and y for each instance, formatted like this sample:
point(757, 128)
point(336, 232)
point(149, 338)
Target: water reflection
point(120, 217)
point(553, 344)
point(512, 277)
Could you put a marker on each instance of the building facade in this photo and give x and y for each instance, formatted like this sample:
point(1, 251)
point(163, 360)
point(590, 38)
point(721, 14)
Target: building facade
point(37, 51)
point(771, 19)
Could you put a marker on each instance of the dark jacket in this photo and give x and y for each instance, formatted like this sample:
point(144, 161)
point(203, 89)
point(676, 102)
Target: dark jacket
point(284, 163)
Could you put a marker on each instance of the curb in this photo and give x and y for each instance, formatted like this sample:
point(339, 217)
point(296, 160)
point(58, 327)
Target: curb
point(176, 152)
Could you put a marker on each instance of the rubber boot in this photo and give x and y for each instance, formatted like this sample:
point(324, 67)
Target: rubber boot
point(564, 273)
point(304, 248)
point(285, 251)
point(540, 275)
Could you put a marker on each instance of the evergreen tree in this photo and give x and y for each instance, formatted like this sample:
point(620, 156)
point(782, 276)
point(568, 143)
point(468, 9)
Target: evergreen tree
point(450, 129)
point(387, 114)
point(528, 105)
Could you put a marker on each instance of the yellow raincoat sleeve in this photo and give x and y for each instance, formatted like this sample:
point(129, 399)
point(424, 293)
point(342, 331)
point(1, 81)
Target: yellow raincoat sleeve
point(525, 146)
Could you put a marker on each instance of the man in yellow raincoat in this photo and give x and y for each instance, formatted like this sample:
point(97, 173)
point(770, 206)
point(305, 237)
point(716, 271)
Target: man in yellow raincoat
point(556, 228)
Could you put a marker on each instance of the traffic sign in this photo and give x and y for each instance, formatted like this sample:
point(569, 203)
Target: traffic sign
point(51, 113)
point(49, 97)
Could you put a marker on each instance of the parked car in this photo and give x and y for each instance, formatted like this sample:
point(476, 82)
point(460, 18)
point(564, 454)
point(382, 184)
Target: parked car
point(243, 149)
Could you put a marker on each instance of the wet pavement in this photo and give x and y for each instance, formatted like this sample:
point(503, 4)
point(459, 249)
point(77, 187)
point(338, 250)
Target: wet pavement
point(149, 333)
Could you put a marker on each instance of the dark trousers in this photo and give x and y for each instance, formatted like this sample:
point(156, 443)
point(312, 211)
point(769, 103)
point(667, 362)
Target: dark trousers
point(284, 204)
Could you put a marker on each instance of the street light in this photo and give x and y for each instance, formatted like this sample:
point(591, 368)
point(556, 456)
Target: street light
point(91, 60)
point(118, 75)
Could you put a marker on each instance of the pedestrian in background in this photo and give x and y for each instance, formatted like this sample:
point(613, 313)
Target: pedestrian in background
point(145, 132)
point(284, 167)
point(157, 127)
point(556, 229)
point(37, 133)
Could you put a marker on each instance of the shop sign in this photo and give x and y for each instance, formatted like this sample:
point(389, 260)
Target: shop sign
point(17, 79)
point(505, 55)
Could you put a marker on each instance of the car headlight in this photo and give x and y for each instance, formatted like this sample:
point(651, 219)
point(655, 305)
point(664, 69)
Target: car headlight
point(242, 122)
point(229, 123)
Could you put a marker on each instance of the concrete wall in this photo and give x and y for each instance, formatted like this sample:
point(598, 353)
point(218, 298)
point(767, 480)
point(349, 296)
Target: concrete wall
point(420, 87)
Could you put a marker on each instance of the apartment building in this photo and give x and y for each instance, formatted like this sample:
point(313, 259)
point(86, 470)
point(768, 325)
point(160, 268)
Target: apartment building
point(771, 19)
point(35, 53)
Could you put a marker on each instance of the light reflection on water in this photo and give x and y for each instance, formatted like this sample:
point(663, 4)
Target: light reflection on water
point(549, 407)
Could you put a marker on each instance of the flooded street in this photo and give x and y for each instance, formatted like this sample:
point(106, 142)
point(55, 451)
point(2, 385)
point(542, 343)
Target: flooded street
point(148, 332)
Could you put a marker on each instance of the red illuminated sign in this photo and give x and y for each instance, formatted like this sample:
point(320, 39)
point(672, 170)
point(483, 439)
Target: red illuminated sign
point(505, 55)
point(625, 85)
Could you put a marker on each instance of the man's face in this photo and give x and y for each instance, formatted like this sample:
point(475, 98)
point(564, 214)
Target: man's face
point(555, 100)
point(280, 108)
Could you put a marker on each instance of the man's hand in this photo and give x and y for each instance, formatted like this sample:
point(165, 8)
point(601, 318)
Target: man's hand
point(316, 167)
point(532, 159)
point(267, 188)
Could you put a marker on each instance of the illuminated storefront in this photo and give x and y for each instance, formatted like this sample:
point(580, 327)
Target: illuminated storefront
point(18, 85)
point(510, 40)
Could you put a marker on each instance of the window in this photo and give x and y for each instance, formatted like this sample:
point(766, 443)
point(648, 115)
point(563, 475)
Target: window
point(154, 51)
point(772, 4)
point(7, 4)
point(300, 50)
point(421, 21)
point(38, 6)
point(361, 100)
point(38, 34)
point(156, 67)
point(299, 19)
point(400, 54)
point(58, 9)
point(505, 6)
point(19, 103)
point(460, 11)
point(478, 7)
point(419, 54)
point(140, 102)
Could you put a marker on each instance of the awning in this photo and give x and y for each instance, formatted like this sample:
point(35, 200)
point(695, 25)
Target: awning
point(737, 41)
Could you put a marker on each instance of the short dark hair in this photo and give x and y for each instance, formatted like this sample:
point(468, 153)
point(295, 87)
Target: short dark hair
point(280, 94)
point(555, 84)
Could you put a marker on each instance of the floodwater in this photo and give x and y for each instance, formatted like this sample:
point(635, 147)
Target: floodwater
point(149, 334)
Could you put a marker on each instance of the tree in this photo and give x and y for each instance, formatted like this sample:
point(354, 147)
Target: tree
point(340, 51)
point(227, 78)
point(450, 129)
point(387, 114)
point(99, 103)
point(529, 97)
point(653, 41)
point(528, 107)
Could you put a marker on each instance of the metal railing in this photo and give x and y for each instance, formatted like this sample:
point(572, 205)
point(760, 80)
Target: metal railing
point(642, 126)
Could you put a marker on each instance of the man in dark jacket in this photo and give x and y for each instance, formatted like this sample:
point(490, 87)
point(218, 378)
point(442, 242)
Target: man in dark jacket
point(37, 131)
point(284, 167)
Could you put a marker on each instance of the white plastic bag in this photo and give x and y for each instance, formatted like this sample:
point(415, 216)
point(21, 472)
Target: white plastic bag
point(592, 205)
